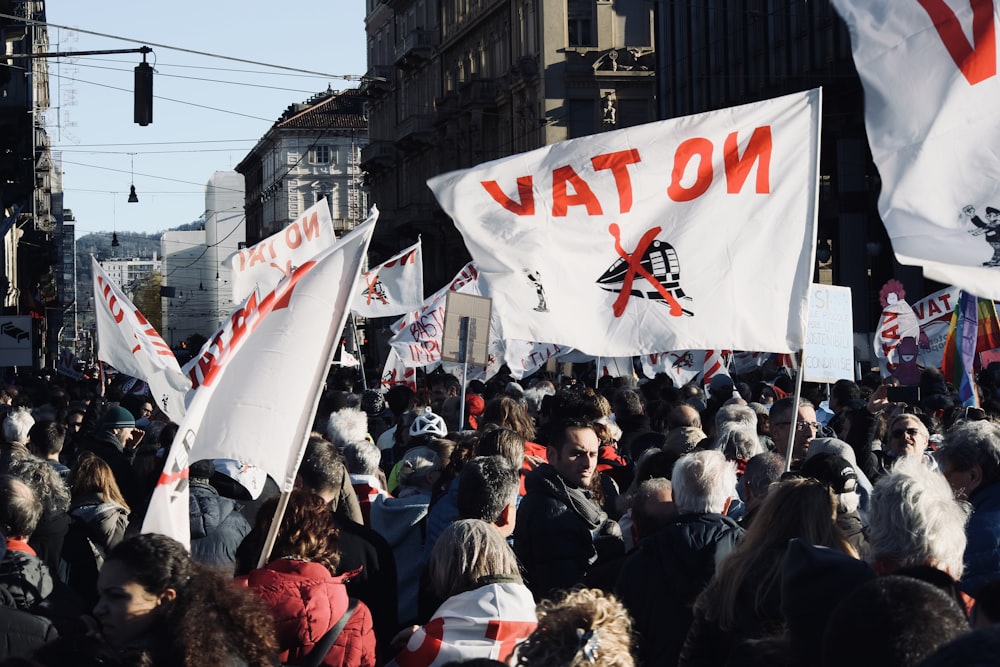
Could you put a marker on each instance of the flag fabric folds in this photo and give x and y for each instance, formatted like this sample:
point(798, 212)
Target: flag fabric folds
point(127, 341)
point(394, 287)
point(929, 71)
point(960, 349)
point(263, 264)
point(690, 233)
point(257, 403)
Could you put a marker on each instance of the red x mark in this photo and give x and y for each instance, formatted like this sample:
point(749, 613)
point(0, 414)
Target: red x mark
point(372, 279)
point(635, 267)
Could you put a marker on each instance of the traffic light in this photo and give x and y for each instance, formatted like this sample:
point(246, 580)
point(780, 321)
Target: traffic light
point(143, 93)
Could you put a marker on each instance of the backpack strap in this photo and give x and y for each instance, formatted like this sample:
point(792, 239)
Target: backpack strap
point(315, 657)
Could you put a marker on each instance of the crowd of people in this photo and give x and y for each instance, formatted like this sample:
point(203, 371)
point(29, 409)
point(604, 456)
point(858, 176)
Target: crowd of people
point(543, 522)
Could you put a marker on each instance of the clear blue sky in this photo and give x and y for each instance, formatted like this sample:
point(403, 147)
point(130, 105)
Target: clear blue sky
point(91, 96)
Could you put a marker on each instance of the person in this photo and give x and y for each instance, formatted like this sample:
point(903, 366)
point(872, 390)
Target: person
point(742, 601)
point(897, 620)
point(970, 460)
point(785, 419)
point(24, 578)
point(99, 517)
point(401, 520)
point(561, 531)
point(487, 490)
point(631, 417)
point(116, 442)
point(158, 605)
point(659, 582)
point(50, 488)
point(839, 474)
point(914, 521)
point(306, 598)
point(217, 526)
point(45, 440)
point(16, 427)
point(361, 459)
point(487, 609)
point(760, 473)
point(582, 627)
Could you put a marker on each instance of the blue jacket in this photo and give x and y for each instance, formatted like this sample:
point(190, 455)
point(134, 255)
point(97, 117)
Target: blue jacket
point(217, 527)
point(982, 551)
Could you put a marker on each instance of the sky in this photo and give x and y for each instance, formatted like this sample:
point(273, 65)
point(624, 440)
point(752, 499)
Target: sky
point(90, 122)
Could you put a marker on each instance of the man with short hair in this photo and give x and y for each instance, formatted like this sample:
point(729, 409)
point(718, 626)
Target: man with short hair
point(683, 415)
point(487, 490)
point(632, 420)
point(361, 459)
point(661, 579)
point(45, 440)
point(561, 531)
point(785, 419)
point(761, 472)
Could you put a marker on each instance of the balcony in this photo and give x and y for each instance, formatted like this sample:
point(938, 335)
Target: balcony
point(378, 80)
point(477, 93)
point(416, 48)
point(416, 130)
point(378, 155)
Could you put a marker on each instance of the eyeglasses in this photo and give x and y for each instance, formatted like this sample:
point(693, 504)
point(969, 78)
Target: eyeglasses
point(801, 426)
point(75, 425)
point(912, 432)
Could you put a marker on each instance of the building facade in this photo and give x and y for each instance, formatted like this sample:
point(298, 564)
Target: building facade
point(718, 53)
point(313, 151)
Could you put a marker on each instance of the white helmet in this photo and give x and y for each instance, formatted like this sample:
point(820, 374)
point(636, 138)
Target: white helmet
point(428, 424)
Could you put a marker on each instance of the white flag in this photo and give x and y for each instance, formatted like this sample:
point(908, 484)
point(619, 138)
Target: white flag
point(257, 403)
point(696, 232)
point(396, 372)
point(127, 341)
point(681, 366)
point(394, 287)
point(929, 71)
point(266, 262)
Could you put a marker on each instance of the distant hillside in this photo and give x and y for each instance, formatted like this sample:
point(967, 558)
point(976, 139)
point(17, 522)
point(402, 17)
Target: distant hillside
point(130, 245)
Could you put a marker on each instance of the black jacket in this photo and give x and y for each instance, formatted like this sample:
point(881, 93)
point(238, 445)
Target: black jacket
point(217, 527)
point(22, 633)
point(561, 533)
point(665, 573)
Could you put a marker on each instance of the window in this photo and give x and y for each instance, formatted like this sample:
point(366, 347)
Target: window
point(580, 24)
point(319, 155)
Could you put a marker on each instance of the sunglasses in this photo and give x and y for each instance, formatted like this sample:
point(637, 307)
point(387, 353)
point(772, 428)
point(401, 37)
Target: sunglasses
point(899, 432)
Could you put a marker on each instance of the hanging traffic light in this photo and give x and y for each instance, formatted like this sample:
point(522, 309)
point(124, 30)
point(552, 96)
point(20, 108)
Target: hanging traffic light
point(143, 92)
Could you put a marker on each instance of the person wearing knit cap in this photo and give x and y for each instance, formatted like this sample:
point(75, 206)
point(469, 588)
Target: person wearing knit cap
point(116, 442)
point(474, 406)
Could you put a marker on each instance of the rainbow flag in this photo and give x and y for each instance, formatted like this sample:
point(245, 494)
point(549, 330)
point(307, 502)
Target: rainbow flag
point(974, 329)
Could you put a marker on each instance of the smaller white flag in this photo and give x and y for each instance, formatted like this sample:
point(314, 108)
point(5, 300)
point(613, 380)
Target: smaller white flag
point(258, 395)
point(394, 287)
point(681, 366)
point(267, 262)
point(127, 341)
point(396, 372)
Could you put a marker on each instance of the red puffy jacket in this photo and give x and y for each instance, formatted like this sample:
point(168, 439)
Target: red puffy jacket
point(307, 601)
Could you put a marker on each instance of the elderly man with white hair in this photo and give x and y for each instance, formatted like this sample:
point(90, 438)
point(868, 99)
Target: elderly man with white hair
point(661, 579)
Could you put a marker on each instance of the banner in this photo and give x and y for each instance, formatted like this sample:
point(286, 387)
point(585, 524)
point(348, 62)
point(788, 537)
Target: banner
point(641, 240)
point(266, 262)
point(127, 341)
point(829, 352)
point(396, 372)
point(933, 313)
point(929, 71)
point(258, 398)
point(394, 287)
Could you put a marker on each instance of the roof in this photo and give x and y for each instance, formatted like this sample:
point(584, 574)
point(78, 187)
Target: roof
point(343, 110)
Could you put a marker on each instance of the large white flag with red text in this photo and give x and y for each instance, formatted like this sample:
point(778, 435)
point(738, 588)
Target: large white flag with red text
point(263, 264)
point(127, 341)
point(394, 287)
point(929, 69)
point(260, 387)
point(691, 233)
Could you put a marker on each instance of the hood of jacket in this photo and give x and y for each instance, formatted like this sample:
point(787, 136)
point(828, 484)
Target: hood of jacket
point(395, 518)
point(208, 509)
point(545, 480)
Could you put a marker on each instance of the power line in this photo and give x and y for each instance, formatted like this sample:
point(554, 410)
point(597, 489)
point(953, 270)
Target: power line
point(162, 178)
point(214, 69)
point(162, 143)
point(159, 97)
point(21, 19)
point(197, 78)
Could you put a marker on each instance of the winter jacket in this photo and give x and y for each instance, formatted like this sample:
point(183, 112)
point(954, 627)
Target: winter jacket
point(402, 522)
point(441, 514)
point(366, 488)
point(486, 622)
point(660, 580)
point(306, 601)
point(561, 533)
point(982, 549)
point(217, 527)
point(21, 633)
point(24, 576)
point(95, 528)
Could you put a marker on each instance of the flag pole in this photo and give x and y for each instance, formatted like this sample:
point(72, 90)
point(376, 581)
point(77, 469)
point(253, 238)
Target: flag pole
point(272, 531)
point(357, 348)
point(801, 354)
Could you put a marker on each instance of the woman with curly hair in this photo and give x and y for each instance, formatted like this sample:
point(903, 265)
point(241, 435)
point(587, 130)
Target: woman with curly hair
point(742, 601)
point(307, 601)
point(162, 609)
point(583, 627)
